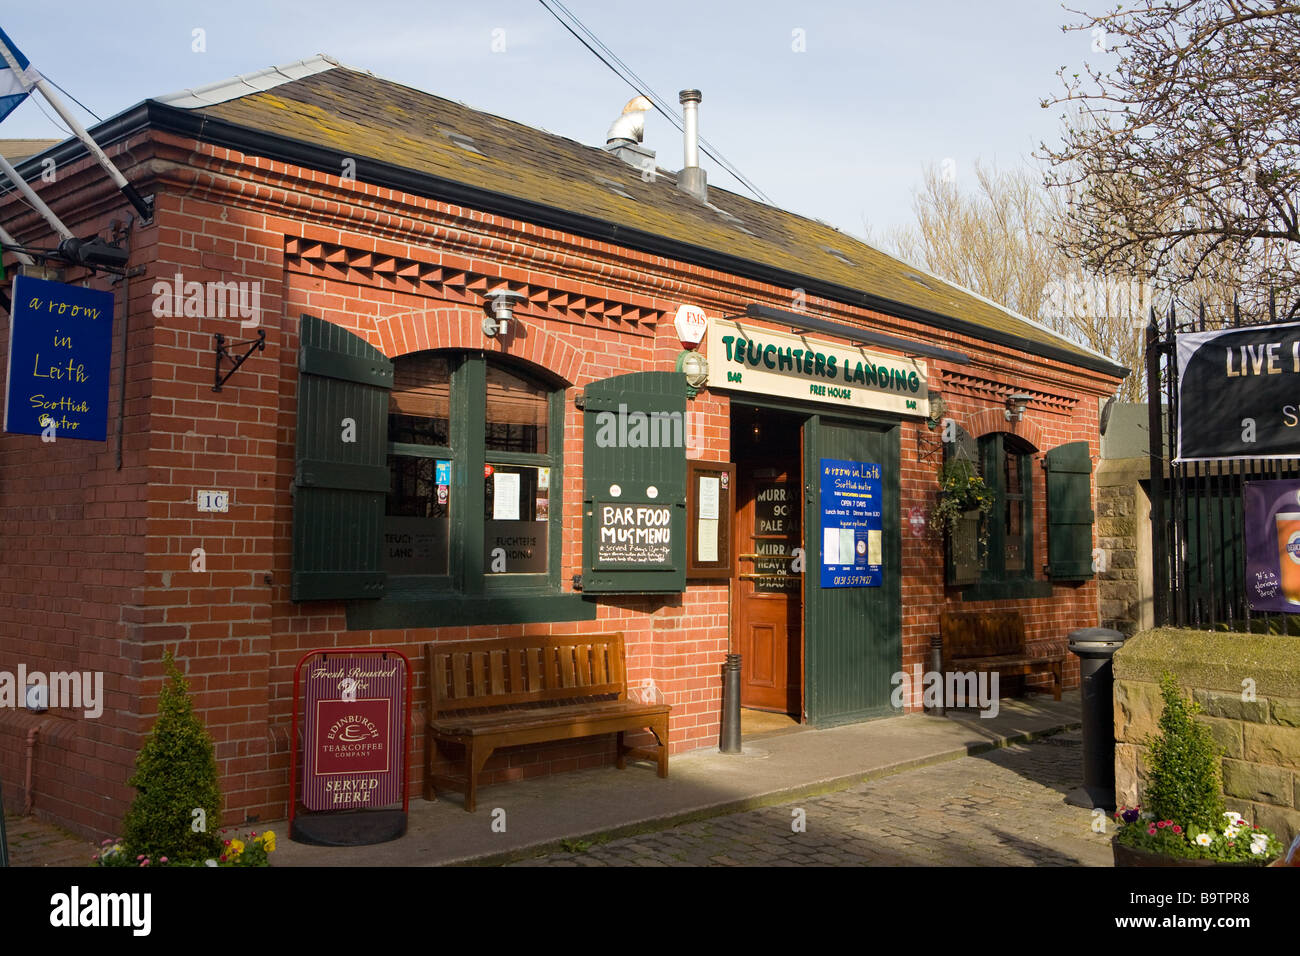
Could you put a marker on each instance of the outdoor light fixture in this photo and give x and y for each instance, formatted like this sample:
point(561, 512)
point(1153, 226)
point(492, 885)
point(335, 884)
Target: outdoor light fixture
point(501, 304)
point(1016, 405)
point(695, 368)
point(938, 409)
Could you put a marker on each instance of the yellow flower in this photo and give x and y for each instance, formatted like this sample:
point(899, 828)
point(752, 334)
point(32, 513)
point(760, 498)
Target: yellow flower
point(236, 847)
point(268, 841)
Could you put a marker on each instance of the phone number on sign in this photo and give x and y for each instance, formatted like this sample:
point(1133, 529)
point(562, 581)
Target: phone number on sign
point(851, 580)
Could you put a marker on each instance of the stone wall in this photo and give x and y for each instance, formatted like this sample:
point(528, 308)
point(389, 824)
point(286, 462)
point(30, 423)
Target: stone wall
point(1248, 686)
point(1123, 537)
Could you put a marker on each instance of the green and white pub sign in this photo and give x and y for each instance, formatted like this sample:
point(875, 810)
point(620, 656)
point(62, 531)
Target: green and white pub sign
point(748, 358)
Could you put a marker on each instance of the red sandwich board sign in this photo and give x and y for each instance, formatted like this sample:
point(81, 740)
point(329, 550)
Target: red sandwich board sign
point(356, 718)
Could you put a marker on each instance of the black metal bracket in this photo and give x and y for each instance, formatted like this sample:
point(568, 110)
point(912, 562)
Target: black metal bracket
point(254, 345)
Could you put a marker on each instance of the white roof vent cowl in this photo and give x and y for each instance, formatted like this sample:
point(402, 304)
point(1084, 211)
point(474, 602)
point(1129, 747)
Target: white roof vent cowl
point(625, 135)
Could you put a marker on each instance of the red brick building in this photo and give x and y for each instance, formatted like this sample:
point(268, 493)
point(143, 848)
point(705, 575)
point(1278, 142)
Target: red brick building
point(357, 221)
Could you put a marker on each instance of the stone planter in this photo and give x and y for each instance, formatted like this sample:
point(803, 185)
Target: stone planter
point(1128, 856)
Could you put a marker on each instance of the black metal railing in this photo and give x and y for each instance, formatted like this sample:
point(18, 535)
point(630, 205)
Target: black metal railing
point(1198, 544)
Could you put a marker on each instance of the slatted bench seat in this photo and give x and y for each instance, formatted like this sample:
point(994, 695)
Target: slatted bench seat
point(993, 641)
point(501, 693)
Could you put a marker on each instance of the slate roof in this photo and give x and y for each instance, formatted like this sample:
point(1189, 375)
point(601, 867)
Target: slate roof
point(320, 104)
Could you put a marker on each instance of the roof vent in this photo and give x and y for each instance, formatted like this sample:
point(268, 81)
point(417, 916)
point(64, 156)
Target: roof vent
point(460, 140)
point(917, 279)
point(616, 188)
point(837, 254)
point(625, 135)
point(692, 179)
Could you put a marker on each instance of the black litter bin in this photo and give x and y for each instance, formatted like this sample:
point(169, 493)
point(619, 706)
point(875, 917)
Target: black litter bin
point(1095, 646)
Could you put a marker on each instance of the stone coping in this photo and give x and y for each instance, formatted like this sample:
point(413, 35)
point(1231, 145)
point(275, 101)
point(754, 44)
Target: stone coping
point(1217, 660)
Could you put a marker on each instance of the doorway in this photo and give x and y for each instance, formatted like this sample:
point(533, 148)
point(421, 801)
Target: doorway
point(767, 592)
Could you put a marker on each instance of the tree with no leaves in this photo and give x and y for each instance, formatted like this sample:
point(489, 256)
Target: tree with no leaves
point(1182, 162)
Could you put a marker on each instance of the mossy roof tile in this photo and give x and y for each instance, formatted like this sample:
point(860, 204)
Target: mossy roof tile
point(363, 116)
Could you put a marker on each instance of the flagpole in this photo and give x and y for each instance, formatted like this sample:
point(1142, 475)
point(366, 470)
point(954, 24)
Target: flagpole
point(129, 191)
point(21, 256)
point(30, 194)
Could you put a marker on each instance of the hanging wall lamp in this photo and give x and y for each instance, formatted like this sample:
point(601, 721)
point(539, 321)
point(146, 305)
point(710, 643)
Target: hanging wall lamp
point(501, 310)
point(1016, 405)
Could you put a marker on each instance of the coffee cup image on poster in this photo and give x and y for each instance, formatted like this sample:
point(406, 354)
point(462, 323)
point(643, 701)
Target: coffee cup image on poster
point(852, 525)
point(1272, 518)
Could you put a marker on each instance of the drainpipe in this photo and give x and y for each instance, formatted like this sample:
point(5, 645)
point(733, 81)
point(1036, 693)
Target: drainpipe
point(29, 796)
point(692, 179)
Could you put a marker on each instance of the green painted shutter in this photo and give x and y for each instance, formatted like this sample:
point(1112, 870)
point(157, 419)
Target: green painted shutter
point(963, 546)
point(1069, 512)
point(339, 486)
point(636, 461)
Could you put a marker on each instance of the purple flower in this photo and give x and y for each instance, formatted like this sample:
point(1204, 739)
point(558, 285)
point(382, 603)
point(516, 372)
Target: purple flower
point(1130, 816)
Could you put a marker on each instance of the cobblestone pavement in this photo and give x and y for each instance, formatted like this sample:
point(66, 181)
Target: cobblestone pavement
point(1003, 808)
point(34, 842)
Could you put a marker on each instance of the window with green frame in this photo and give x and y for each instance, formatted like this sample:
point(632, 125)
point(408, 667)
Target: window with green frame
point(1005, 463)
point(475, 463)
point(1006, 567)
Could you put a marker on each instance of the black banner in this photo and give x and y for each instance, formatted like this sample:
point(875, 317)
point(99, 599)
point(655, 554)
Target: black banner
point(1239, 393)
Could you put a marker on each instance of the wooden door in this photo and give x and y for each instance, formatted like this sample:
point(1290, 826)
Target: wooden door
point(768, 590)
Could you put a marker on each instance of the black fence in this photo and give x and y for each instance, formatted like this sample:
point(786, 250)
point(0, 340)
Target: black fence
point(1197, 523)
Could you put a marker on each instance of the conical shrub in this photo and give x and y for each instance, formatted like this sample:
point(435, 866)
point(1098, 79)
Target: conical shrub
point(1183, 781)
point(176, 775)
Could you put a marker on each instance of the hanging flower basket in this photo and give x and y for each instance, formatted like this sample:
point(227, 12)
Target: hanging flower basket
point(962, 496)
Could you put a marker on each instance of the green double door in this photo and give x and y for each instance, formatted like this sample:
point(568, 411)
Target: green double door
point(853, 635)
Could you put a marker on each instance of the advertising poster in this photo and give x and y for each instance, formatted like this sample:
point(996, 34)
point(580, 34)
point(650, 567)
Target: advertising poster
point(60, 348)
point(1272, 514)
point(851, 524)
point(353, 747)
point(1239, 393)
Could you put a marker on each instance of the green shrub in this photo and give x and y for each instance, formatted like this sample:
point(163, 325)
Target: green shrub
point(176, 774)
point(1183, 765)
point(1184, 815)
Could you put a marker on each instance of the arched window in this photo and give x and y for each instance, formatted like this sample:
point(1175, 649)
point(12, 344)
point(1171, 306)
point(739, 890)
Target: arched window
point(1006, 464)
point(474, 459)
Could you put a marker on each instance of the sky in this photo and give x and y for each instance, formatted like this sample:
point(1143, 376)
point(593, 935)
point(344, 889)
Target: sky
point(834, 109)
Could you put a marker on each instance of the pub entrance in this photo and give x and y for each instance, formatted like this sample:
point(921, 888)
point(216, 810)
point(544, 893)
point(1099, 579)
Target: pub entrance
point(767, 592)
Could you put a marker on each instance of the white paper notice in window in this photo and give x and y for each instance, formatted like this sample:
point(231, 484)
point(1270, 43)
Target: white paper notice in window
point(505, 496)
point(709, 497)
point(706, 539)
point(830, 545)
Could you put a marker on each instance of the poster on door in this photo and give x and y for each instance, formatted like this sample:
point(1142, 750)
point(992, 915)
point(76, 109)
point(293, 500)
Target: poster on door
point(1272, 513)
point(852, 526)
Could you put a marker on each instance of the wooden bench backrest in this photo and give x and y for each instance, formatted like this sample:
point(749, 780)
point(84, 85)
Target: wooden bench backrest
point(982, 633)
point(468, 675)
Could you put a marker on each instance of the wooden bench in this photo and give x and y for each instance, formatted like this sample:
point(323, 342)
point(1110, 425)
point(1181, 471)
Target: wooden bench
point(993, 641)
point(501, 693)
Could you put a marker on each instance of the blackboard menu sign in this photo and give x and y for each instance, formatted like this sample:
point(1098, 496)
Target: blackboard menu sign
point(709, 506)
point(637, 534)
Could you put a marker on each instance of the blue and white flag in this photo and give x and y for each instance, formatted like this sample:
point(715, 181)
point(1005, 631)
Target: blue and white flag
point(14, 84)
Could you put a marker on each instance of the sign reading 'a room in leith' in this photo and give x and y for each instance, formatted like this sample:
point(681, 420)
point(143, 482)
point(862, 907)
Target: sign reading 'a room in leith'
point(748, 358)
point(1239, 393)
point(852, 524)
point(60, 346)
point(353, 745)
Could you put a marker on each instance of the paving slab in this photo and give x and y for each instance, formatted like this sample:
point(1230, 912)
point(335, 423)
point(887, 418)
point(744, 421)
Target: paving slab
point(566, 811)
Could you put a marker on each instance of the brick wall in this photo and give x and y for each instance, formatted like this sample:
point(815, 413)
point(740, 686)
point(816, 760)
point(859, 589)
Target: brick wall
point(406, 273)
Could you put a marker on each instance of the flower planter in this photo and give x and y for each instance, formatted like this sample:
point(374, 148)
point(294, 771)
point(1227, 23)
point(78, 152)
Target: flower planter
point(1128, 856)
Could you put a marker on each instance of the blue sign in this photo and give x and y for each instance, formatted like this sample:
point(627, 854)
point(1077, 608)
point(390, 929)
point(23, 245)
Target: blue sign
point(60, 347)
point(442, 471)
point(852, 525)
